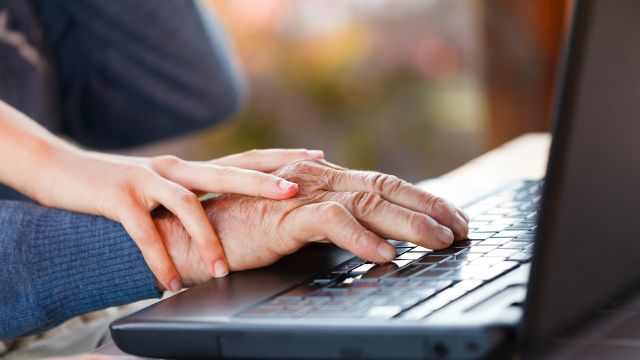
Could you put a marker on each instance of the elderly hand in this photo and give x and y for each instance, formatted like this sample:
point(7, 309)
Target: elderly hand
point(355, 210)
point(126, 189)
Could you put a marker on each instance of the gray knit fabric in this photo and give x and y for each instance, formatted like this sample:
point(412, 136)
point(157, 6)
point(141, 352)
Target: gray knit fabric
point(57, 264)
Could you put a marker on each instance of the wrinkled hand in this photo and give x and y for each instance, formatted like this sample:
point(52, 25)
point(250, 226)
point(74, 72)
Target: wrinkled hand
point(126, 189)
point(355, 210)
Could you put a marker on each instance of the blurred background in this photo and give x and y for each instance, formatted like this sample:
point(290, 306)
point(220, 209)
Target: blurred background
point(409, 87)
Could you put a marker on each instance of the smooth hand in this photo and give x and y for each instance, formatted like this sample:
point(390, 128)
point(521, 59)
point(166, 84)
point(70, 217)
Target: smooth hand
point(356, 210)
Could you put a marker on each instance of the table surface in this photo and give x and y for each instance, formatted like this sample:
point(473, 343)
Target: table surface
point(524, 158)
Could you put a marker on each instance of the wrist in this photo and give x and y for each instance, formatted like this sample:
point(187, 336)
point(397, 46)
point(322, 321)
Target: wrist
point(48, 166)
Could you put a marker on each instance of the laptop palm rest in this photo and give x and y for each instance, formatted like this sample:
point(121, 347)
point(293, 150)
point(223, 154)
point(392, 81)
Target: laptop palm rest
point(218, 299)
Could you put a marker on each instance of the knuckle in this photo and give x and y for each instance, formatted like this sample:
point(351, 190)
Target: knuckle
point(332, 211)
point(384, 183)
point(444, 209)
point(366, 203)
point(297, 167)
point(302, 166)
point(186, 198)
point(166, 161)
point(438, 206)
point(420, 224)
point(358, 239)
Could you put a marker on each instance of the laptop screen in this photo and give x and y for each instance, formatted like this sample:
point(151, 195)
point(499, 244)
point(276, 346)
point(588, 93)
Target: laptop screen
point(588, 248)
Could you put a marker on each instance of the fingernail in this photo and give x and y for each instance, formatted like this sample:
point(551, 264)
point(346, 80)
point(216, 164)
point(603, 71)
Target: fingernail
point(286, 185)
point(220, 269)
point(175, 285)
point(387, 251)
point(462, 228)
point(464, 214)
point(316, 153)
point(444, 234)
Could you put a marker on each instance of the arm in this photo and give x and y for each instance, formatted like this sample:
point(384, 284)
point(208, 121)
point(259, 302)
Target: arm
point(126, 189)
point(57, 264)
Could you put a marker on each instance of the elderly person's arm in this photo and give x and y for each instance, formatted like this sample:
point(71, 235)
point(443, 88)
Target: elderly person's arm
point(59, 264)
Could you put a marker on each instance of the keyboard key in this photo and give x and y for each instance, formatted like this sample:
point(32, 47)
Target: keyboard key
point(381, 270)
point(496, 270)
point(467, 256)
point(431, 258)
point(431, 273)
point(514, 245)
point(521, 257)
point(450, 264)
point(495, 241)
point(401, 244)
point(466, 272)
point(448, 251)
point(424, 293)
point(503, 253)
point(487, 218)
point(488, 261)
point(410, 256)
point(477, 224)
point(401, 263)
point(409, 270)
point(508, 234)
point(526, 237)
point(345, 268)
point(482, 248)
point(499, 211)
point(442, 299)
point(437, 284)
point(522, 226)
point(479, 236)
point(362, 268)
point(505, 221)
point(463, 244)
point(469, 285)
point(420, 249)
point(510, 204)
point(492, 228)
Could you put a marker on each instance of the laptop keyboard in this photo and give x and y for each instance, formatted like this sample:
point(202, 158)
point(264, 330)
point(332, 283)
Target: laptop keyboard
point(421, 281)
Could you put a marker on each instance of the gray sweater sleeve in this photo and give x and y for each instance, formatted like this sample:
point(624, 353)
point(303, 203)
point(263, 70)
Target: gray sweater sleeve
point(56, 264)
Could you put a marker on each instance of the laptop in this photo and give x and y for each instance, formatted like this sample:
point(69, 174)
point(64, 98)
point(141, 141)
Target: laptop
point(541, 256)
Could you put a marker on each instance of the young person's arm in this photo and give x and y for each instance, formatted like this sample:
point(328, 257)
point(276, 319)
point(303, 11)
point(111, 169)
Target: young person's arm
point(125, 189)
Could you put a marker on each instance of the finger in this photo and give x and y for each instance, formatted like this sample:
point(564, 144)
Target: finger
point(267, 159)
point(186, 206)
point(463, 214)
point(393, 221)
point(140, 226)
point(224, 179)
point(404, 194)
point(330, 220)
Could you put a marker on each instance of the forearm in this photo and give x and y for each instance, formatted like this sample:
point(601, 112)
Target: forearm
point(27, 151)
point(57, 264)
